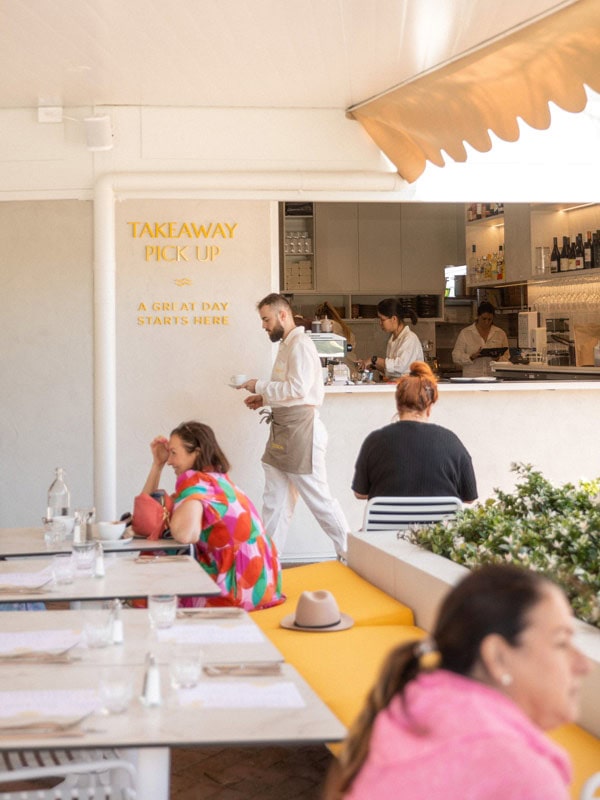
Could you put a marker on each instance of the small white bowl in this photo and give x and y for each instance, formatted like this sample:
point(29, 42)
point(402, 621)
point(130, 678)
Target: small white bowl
point(109, 531)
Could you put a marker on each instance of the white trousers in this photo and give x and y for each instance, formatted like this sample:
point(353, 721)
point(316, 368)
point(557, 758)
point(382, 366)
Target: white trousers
point(282, 490)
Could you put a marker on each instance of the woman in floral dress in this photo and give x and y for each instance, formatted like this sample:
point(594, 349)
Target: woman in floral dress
point(212, 513)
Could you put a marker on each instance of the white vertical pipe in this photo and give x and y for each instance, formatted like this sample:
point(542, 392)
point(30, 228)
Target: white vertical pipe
point(105, 405)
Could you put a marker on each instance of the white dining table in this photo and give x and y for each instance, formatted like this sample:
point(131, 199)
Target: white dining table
point(224, 635)
point(23, 542)
point(126, 576)
point(226, 710)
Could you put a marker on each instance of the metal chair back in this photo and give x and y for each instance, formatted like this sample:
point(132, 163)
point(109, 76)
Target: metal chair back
point(396, 513)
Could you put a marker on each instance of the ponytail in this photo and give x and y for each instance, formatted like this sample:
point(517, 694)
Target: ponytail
point(400, 667)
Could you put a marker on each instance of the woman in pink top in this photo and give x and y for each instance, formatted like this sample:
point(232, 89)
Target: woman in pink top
point(470, 726)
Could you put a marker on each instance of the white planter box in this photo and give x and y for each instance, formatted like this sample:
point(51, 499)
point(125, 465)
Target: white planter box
point(420, 579)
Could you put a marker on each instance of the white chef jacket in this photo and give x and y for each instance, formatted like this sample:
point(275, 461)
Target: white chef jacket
point(401, 352)
point(469, 341)
point(296, 378)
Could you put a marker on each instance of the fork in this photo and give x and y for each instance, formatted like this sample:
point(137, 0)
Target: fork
point(243, 669)
point(39, 657)
point(158, 559)
point(44, 727)
point(210, 613)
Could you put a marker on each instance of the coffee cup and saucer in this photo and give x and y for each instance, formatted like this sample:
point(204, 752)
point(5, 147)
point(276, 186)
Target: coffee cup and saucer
point(238, 380)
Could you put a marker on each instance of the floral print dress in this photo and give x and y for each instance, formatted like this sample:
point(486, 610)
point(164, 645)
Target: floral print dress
point(233, 547)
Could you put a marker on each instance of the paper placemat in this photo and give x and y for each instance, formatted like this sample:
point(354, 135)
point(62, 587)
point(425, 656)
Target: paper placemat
point(28, 579)
point(60, 639)
point(212, 634)
point(242, 694)
point(43, 703)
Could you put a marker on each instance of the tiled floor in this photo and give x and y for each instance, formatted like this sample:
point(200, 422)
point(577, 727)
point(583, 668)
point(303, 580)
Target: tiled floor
point(253, 773)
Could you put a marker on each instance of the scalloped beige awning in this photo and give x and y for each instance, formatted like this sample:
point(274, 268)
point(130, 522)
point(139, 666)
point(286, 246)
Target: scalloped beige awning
point(515, 76)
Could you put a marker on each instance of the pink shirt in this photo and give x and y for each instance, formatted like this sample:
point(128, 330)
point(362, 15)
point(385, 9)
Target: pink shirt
point(473, 744)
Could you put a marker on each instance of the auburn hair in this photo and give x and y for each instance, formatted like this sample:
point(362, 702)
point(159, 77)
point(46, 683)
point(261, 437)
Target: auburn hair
point(417, 390)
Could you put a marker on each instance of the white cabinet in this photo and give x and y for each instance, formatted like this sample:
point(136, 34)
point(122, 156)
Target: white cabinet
point(336, 227)
point(432, 237)
point(517, 242)
point(388, 248)
point(380, 247)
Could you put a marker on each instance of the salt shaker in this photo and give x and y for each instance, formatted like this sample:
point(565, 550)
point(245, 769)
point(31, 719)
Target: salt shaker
point(117, 623)
point(151, 689)
point(99, 561)
point(77, 524)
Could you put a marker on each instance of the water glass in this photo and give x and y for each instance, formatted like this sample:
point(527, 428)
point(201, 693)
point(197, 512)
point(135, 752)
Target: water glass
point(84, 555)
point(185, 666)
point(97, 628)
point(55, 532)
point(162, 609)
point(63, 568)
point(116, 690)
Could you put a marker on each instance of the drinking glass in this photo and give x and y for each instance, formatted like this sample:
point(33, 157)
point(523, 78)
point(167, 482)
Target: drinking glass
point(63, 568)
point(116, 690)
point(84, 554)
point(97, 628)
point(55, 532)
point(185, 666)
point(162, 609)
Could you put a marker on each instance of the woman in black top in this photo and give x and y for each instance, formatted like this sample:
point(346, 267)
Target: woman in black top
point(409, 458)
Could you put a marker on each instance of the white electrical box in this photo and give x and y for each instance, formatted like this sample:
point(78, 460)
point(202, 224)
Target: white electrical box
point(538, 339)
point(528, 321)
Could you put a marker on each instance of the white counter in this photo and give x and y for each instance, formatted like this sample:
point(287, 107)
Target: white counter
point(554, 425)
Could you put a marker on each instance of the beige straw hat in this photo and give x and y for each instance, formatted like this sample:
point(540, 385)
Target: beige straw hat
point(317, 612)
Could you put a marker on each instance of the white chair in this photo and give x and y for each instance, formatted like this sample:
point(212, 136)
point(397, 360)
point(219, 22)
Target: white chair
point(396, 513)
point(590, 788)
point(85, 774)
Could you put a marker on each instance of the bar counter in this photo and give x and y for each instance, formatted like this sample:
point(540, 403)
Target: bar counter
point(550, 424)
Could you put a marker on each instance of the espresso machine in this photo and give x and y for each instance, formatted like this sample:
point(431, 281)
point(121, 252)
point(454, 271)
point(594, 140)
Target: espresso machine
point(332, 350)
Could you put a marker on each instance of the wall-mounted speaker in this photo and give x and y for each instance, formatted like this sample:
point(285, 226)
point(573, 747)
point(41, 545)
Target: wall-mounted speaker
point(98, 133)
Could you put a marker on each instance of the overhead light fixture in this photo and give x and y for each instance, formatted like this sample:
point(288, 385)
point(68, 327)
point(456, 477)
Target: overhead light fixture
point(98, 133)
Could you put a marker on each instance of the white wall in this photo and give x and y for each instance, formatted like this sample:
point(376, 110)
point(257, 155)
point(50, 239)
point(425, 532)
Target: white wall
point(46, 270)
point(169, 373)
point(46, 354)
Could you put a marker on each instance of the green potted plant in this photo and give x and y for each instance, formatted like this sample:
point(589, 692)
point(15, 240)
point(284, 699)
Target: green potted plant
point(554, 530)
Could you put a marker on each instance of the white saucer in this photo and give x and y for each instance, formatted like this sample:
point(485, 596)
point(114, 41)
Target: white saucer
point(485, 379)
point(114, 542)
point(461, 380)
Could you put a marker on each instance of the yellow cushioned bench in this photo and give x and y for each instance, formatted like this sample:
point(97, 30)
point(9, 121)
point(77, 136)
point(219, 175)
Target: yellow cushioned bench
point(342, 667)
point(584, 749)
point(365, 603)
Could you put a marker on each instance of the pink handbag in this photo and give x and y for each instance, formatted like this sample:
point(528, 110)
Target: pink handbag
point(152, 514)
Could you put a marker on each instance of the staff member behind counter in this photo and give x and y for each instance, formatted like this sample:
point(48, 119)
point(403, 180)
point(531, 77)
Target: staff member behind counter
point(480, 343)
point(403, 346)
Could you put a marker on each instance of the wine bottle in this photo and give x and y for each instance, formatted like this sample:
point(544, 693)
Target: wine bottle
point(579, 251)
point(500, 263)
point(564, 255)
point(596, 249)
point(571, 253)
point(588, 261)
point(473, 273)
point(555, 257)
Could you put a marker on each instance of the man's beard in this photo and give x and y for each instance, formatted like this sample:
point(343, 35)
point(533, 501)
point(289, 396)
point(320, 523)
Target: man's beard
point(276, 335)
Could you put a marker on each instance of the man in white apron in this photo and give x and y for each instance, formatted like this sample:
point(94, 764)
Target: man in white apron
point(294, 459)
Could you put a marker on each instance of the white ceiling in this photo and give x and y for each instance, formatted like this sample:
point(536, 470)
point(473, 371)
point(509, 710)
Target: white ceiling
point(234, 53)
